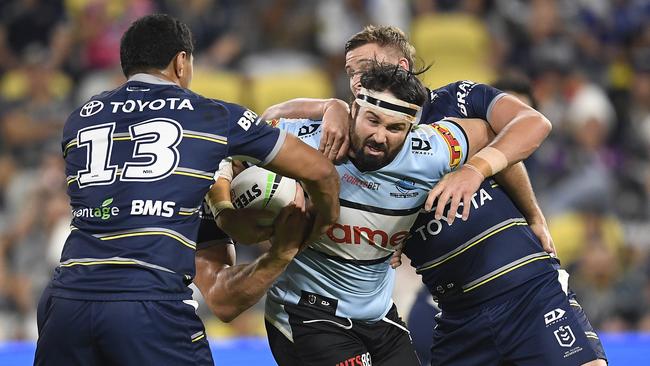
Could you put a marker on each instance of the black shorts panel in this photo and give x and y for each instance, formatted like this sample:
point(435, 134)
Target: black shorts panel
point(323, 339)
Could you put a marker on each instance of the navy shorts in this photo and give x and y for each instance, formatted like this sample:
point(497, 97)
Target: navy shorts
point(537, 324)
point(421, 321)
point(138, 333)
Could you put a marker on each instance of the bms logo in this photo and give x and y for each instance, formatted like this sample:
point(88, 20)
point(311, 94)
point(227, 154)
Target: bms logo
point(152, 208)
point(405, 189)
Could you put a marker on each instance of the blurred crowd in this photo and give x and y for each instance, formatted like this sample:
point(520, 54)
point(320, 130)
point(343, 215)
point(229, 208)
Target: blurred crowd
point(587, 61)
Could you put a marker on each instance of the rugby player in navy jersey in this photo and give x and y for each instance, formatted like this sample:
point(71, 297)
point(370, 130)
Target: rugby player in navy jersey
point(139, 161)
point(503, 272)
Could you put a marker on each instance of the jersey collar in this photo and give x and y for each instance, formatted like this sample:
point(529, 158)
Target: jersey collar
point(149, 79)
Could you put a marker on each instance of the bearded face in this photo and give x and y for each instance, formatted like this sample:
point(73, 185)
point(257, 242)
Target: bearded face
point(376, 139)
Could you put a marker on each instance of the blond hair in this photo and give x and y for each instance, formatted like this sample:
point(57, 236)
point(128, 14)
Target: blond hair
point(384, 36)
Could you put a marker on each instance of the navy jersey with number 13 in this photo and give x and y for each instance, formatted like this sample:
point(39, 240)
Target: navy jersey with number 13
point(139, 160)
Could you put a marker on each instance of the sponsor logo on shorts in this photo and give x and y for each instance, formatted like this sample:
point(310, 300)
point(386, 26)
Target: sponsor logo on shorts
point(317, 301)
point(554, 316)
point(358, 360)
point(564, 336)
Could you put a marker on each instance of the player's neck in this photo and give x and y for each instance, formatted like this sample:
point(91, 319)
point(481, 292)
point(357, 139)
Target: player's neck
point(163, 75)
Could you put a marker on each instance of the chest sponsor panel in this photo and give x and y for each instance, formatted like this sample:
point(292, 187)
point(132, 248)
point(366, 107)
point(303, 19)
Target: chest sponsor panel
point(363, 235)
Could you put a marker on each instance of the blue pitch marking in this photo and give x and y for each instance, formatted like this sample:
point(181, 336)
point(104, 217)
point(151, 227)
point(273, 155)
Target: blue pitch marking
point(622, 349)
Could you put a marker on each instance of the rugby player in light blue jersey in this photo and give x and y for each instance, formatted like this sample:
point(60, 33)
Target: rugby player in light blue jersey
point(332, 305)
point(479, 269)
point(139, 160)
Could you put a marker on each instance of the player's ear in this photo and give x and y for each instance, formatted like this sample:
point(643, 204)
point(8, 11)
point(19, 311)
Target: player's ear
point(354, 110)
point(404, 63)
point(181, 62)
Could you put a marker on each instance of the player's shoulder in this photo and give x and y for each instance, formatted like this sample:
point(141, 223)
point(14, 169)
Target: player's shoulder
point(448, 100)
point(444, 138)
point(452, 90)
point(307, 130)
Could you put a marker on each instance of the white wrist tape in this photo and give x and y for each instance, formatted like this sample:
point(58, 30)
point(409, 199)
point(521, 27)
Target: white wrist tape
point(225, 170)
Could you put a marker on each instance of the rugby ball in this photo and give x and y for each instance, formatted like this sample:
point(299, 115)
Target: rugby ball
point(256, 187)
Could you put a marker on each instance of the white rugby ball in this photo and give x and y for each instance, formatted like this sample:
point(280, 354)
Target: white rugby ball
point(256, 187)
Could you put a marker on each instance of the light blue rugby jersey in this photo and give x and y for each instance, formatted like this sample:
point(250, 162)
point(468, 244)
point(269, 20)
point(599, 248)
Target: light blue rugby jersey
point(351, 262)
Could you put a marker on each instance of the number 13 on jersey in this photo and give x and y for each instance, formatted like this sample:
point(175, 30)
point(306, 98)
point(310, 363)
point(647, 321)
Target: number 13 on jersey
point(155, 145)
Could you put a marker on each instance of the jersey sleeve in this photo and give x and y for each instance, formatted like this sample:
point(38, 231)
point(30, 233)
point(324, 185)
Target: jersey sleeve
point(249, 138)
point(450, 147)
point(481, 100)
point(308, 131)
point(209, 233)
point(299, 127)
point(476, 100)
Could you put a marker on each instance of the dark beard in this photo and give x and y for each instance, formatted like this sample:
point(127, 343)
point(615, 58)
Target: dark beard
point(366, 163)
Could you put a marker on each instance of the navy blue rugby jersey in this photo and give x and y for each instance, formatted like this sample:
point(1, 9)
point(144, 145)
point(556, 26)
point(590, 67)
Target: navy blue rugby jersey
point(139, 161)
point(461, 99)
point(472, 261)
point(494, 250)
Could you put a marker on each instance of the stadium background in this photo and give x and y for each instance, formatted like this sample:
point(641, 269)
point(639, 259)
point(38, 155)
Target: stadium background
point(588, 62)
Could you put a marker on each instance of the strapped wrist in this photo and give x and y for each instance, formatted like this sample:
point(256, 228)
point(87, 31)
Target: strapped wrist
point(219, 207)
point(488, 161)
point(476, 170)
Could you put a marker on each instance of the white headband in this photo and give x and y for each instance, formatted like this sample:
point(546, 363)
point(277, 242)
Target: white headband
point(388, 104)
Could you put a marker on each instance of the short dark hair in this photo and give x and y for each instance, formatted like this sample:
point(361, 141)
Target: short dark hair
point(403, 84)
point(384, 36)
point(152, 41)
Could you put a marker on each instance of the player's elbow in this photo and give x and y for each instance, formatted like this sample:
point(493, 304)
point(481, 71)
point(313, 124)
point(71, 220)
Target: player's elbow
point(538, 128)
point(542, 123)
point(545, 124)
point(327, 172)
point(225, 313)
point(226, 317)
